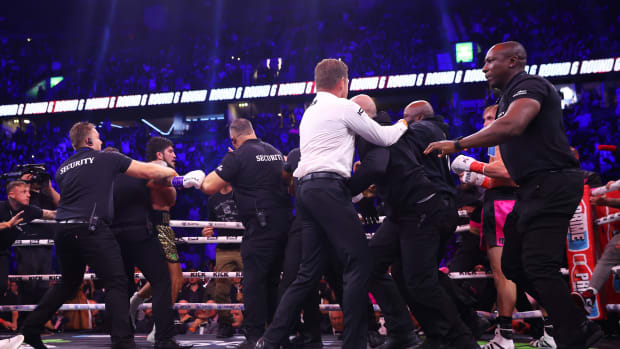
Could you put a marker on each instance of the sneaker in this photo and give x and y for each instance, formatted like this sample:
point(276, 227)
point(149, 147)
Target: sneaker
point(499, 342)
point(151, 337)
point(546, 341)
point(12, 343)
point(34, 340)
point(134, 303)
point(585, 300)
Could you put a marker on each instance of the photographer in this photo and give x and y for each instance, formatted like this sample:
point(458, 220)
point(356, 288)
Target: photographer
point(36, 259)
point(14, 214)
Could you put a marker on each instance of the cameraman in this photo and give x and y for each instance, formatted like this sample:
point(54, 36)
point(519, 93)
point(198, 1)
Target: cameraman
point(14, 214)
point(36, 259)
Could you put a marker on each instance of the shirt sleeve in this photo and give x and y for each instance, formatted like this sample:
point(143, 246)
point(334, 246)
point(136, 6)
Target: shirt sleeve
point(31, 213)
point(229, 167)
point(373, 165)
point(359, 122)
point(530, 88)
point(119, 161)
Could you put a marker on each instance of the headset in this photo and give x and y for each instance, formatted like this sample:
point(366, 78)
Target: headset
point(89, 141)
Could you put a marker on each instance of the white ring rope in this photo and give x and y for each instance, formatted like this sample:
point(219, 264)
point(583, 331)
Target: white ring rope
point(613, 307)
point(184, 240)
point(614, 217)
point(176, 306)
point(239, 306)
point(519, 315)
point(228, 275)
point(604, 190)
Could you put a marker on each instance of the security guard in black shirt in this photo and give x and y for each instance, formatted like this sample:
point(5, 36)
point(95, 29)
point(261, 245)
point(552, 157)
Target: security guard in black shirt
point(530, 131)
point(420, 217)
point(140, 247)
point(85, 211)
point(255, 171)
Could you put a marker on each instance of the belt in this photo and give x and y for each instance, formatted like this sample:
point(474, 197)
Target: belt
point(73, 221)
point(321, 175)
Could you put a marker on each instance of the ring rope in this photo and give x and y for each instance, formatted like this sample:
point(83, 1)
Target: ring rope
point(186, 240)
point(233, 274)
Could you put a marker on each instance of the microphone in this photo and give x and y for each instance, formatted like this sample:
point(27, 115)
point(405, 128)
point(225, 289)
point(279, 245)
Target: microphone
point(607, 147)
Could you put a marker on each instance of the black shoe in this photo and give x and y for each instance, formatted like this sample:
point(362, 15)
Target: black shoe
point(171, 344)
point(402, 341)
point(479, 326)
point(34, 340)
point(262, 344)
point(592, 332)
point(435, 343)
point(225, 331)
point(303, 341)
point(465, 342)
point(124, 345)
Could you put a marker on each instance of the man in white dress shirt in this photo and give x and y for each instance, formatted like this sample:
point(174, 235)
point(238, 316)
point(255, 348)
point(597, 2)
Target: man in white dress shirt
point(330, 222)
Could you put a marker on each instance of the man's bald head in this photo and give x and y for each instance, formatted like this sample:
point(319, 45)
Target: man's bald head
point(502, 62)
point(367, 103)
point(418, 110)
point(511, 49)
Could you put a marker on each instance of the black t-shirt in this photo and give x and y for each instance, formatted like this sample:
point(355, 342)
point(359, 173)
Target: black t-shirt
point(222, 208)
point(85, 181)
point(40, 231)
point(255, 173)
point(543, 146)
point(8, 236)
point(424, 132)
point(9, 298)
point(132, 204)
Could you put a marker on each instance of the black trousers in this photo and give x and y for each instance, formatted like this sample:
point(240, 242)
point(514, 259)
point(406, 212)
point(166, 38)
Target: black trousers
point(262, 252)
point(4, 271)
point(413, 243)
point(141, 248)
point(536, 233)
point(292, 259)
point(328, 219)
point(76, 247)
point(33, 260)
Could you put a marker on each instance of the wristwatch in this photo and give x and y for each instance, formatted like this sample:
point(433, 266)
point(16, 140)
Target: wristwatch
point(457, 144)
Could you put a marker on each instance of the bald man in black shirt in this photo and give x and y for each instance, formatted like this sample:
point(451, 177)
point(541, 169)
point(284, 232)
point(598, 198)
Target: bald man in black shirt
point(530, 132)
point(420, 217)
point(255, 171)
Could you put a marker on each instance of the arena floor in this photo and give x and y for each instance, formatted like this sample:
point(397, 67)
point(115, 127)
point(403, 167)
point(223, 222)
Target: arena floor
point(91, 340)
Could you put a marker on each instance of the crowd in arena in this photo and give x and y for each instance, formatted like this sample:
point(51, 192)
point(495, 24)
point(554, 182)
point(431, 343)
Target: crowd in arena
point(374, 41)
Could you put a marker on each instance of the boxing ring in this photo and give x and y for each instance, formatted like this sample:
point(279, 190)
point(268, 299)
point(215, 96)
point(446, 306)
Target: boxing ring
point(80, 340)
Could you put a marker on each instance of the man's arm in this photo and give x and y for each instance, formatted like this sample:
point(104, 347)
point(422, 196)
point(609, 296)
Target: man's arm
point(52, 193)
point(518, 116)
point(15, 220)
point(49, 214)
point(145, 170)
point(373, 165)
point(360, 123)
point(605, 201)
point(212, 183)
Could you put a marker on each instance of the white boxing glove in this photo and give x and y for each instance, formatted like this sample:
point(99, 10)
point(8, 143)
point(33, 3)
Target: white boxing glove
point(189, 180)
point(476, 179)
point(464, 163)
